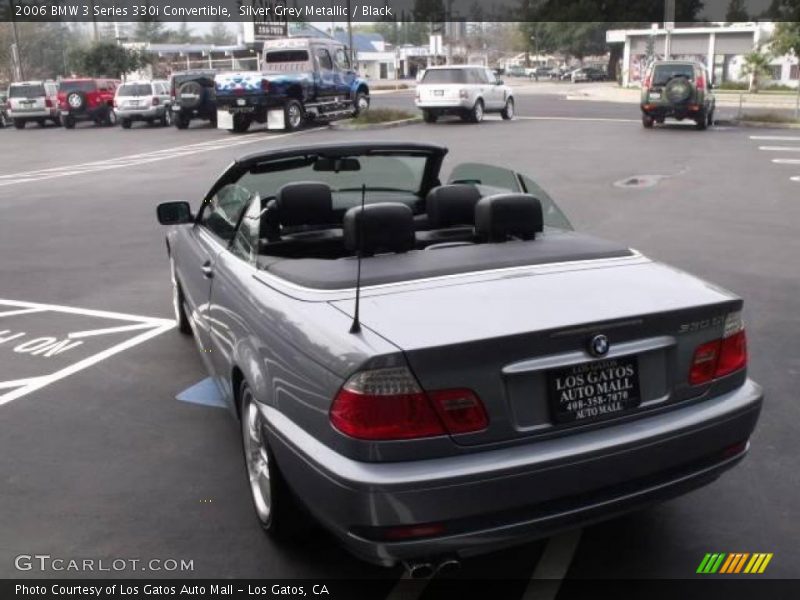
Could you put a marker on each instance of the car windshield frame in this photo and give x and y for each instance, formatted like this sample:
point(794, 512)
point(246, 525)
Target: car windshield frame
point(32, 90)
point(138, 89)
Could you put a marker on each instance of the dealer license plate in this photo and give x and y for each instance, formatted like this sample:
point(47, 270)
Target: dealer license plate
point(594, 391)
point(655, 95)
point(438, 92)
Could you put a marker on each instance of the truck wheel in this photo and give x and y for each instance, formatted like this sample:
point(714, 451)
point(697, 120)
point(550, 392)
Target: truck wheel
point(182, 121)
point(429, 116)
point(241, 123)
point(69, 122)
point(166, 120)
point(702, 121)
point(293, 115)
point(508, 112)
point(647, 121)
point(476, 114)
point(125, 123)
point(19, 123)
point(361, 104)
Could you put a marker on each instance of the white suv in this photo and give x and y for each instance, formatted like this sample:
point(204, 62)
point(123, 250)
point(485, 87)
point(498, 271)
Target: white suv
point(463, 90)
point(143, 101)
point(33, 101)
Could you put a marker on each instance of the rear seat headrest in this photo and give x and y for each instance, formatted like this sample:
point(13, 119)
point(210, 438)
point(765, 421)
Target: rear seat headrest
point(502, 216)
point(381, 227)
point(304, 203)
point(449, 205)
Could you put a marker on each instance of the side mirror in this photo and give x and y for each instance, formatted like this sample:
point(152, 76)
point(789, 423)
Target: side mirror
point(174, 213)
point(499, 82)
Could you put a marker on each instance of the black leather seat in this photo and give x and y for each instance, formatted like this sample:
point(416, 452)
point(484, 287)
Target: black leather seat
point(379, 228)
point(501, 217)
point(450, 214)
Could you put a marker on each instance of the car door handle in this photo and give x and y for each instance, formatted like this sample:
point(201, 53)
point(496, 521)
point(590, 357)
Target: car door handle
point(208, 270)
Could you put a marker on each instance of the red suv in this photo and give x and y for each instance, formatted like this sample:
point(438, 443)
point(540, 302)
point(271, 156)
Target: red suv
point(87, 100)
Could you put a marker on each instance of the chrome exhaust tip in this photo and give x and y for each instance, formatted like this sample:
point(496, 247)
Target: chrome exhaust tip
point(448, 566)
point(419, 570)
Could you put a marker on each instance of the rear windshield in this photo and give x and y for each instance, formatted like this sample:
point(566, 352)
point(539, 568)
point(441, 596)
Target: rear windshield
point(285, 56)
point(445, 76)
point(77, 86)
point(135, 89)
point(663, 73)
point(26, 91)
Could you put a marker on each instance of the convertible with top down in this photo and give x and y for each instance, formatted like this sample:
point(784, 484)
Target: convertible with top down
point(436, 365)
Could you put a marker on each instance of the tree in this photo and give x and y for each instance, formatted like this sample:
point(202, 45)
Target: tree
point(786, 39)
point(107, 59)
point(756, 64)
point(219, 35)
point(737, 12)
point(183, 35)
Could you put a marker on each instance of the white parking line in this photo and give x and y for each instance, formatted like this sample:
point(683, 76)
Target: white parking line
point(597, 119)
point(552, 566)
point(795, 178)
point(780, 148)
point(22, 387)
point(786, 161)
point(776, 138)
point(133, 160)
point(22, 311)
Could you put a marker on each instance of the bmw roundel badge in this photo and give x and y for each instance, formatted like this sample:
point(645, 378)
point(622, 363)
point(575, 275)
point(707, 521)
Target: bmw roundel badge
point(599, 345)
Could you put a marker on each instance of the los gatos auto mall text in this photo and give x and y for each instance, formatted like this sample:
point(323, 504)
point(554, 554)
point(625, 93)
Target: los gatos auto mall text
point(276, 11)
point(115, 590)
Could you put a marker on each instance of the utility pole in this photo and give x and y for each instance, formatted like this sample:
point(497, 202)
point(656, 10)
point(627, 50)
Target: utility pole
point(669, 23)
point(16, 53)
point(350, 35)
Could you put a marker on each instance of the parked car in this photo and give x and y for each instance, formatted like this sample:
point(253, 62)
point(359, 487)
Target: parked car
point(302, 79)
point(35, 101)
point(679, 90)
point(409, 435)
point(87, 100)
point(4, 120)
point(587, 74)
point(516, 71)
point(539, 72)
point(193, 97)
point(463, 90)
point(148, 101)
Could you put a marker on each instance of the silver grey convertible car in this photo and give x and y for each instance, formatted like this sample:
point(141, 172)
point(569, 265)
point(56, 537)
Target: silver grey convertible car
point(435, 365)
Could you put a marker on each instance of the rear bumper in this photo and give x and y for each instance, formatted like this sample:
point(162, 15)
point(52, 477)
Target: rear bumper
point(88, 114)
point(153, 112)
point(45, 113)
point(681, 111)
point(493, 499)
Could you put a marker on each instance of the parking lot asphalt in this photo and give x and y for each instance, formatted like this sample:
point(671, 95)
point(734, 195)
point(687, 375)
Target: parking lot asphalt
point(98, 458)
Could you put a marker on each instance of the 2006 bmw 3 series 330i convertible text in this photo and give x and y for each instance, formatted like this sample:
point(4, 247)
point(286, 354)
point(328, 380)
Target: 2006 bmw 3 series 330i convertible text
point(493, 377)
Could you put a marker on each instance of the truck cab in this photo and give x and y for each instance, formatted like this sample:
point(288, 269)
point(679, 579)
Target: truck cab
point(300, 79)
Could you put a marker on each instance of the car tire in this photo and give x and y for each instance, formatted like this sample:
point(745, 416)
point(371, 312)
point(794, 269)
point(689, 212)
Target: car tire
point(711, 118)
point(293, 115)
point(179, 302)
point(57, 121)
point(110, 119)
point(360, 104)
point(182, 121)
point(701, 121)
point(429, 116)
point(19, 123)
point(40, 122)
point(125, 123)
point(69, 122)
point(166, 120)
point(278, 511)
point(508, 110)
point(241, 123)
point(647, 121)
point(476, 113)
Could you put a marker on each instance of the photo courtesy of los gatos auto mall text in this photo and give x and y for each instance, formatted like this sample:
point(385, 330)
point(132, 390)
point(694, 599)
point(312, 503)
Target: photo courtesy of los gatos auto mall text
point(399, 299)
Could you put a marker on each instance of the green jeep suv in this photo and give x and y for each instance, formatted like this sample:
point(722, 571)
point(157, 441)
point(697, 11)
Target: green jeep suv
point(677, 89)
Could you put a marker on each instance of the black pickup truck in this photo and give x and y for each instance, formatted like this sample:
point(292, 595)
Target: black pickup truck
point(301, 79)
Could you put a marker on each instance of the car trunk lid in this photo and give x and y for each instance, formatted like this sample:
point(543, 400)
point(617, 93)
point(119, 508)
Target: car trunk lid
point(520, 340)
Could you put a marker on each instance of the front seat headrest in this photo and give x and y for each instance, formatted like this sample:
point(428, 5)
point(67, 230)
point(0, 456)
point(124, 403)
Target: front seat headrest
point(502, 216)
point(454, 204)
point(304, 203)
point(380, 227)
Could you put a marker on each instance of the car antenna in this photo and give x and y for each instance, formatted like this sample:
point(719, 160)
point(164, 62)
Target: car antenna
point(356, 326)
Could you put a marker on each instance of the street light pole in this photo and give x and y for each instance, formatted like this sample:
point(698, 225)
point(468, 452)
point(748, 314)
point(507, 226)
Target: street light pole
point(20, 70)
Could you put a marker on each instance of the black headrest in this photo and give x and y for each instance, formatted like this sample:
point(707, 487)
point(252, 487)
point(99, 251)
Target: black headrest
point(304, 203)
point(381, 227)
point(501, 216)
point(454, 204)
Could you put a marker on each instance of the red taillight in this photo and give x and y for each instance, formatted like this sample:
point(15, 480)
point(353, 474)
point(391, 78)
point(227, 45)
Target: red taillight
point(48, 103)
point(461, 411)
point(723, 356)
point(264, 85)
point(388, 404)
point(155, 101)
point(700, 82)
point(239, 91)
point(647, 82)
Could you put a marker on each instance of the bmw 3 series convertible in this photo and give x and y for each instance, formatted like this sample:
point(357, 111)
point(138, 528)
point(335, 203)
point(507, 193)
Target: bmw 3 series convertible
point(434, 365)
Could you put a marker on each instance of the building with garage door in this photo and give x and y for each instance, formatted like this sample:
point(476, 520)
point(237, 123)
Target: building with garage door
point(721, 49)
